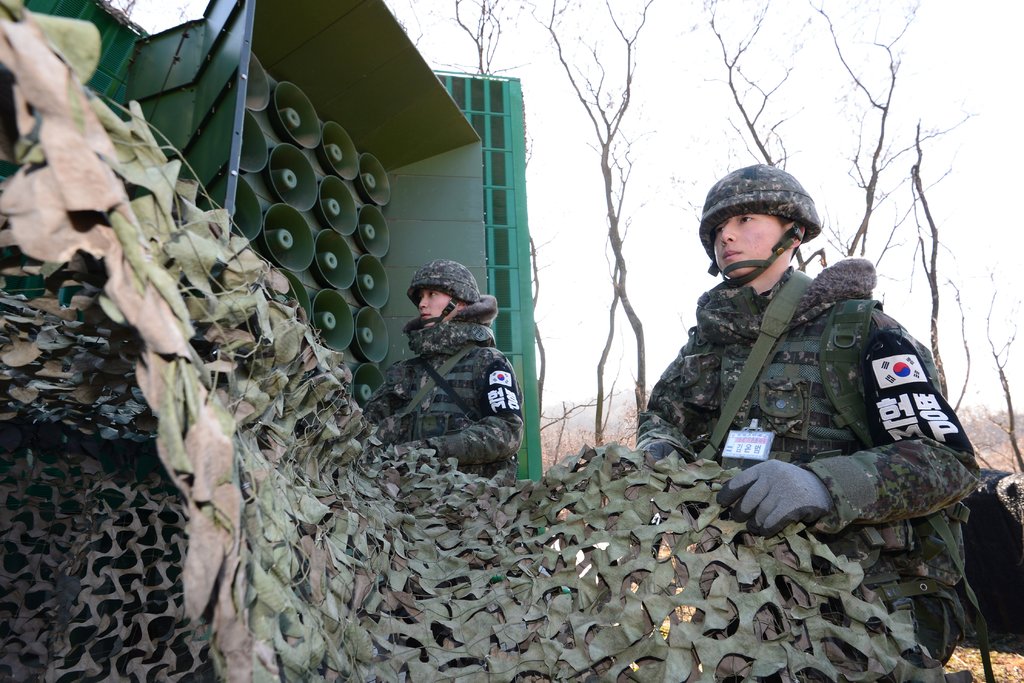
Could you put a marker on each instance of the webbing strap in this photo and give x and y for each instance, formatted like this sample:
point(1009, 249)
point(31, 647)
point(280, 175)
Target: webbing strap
point(941, 526)
point(429, 384)
point(840, 351)
point(773, 324)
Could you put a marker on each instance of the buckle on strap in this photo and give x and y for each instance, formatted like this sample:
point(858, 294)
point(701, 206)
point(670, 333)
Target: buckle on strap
point(908, 589)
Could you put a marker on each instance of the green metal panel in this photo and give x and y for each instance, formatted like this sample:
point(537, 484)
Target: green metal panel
point(359, 67)
point(494, 107)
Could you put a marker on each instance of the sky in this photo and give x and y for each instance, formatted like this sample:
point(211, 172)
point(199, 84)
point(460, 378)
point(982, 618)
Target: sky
point(683, 128)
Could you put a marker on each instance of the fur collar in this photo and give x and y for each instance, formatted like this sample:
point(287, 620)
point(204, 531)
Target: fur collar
point(483, 312)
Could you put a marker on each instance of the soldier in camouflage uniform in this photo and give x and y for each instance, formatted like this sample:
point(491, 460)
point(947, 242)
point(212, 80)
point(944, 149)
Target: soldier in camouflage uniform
point(881, 503)
point(473, 410)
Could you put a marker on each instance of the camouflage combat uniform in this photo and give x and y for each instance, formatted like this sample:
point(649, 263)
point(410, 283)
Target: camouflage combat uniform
point(485, 432)
point(881, 495)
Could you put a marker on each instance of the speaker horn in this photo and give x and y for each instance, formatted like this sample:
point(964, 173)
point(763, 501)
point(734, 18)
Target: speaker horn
point(248, 216)
point(371, 287)
point(297, 291)
point(336, 207)
point(336, 152)
point(255, 150)
point(257, 88)
point(372, 234)
point(293, 117)
point(370, 342)
point(365, 379)
point(286, 238)
point(333, 318)
point(333, 265)
point(291, 176)
point(372, 183)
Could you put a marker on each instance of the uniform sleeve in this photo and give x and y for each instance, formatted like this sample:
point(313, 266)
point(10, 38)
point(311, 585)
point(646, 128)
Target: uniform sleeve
point(669, 417)
point(497, 435)
point(922, 460)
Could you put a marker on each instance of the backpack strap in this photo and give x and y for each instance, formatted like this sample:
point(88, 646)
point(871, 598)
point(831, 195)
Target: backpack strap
point(430, 383)
point(842, 345)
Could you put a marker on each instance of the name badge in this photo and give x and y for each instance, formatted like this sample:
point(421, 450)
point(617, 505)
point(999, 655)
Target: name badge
point(746, 447)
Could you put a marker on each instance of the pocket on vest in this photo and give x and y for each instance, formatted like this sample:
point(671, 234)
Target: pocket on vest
point(785, 406)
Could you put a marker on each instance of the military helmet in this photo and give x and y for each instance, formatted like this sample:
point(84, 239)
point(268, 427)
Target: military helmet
point(443, 275)
point(757, 189)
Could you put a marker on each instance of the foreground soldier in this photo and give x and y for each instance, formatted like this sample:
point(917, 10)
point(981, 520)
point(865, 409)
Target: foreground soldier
point(824, 401)
point(459, 395)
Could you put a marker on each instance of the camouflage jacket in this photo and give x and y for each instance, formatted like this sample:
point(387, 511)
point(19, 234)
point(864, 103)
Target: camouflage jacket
point(880, 494)
point(485, 432)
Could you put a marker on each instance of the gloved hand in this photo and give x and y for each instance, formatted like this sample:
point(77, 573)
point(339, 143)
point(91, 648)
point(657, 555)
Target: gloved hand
point(659, 450)
point(772, 494)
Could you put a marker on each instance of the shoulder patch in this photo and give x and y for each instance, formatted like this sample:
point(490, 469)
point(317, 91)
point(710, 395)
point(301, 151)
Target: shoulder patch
point(901, 400)
point(501, 394)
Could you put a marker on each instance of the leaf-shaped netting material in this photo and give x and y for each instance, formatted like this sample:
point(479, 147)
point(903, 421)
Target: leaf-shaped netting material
point(281, 543)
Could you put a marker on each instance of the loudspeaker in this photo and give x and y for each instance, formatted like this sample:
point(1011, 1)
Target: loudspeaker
point(336, 152)
point(290, 175)
point(366, 377)
point(372, 183)
point(336, 207)
point(372, 234)
point(333, 318)
point(255, 150)
point(286, 238)
point(333, 265)
point(297, 291)
point(293, 116)
point(257, 88)
point(248, 216)
point(370, 342)
point(371, 287)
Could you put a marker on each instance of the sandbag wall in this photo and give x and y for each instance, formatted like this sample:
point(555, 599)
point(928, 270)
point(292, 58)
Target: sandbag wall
point(313, 205)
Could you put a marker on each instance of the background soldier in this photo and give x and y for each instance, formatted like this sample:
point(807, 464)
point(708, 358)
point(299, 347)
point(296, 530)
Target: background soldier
point(459, 395)
point(826, 404)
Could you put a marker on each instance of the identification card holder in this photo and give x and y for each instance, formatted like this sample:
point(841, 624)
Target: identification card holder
point(746, 447)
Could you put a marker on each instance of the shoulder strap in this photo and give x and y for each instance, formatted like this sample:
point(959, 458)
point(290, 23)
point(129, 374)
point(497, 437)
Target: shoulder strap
point(430, 383)
point(445, 386)
point(841, 348)
point(773, 325)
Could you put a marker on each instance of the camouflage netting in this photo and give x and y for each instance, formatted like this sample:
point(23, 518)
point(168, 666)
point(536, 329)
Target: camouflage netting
point(273, 540)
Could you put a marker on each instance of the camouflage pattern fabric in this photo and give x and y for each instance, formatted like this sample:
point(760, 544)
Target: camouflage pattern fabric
point(90, 585)
point(484, 441)
point(757, 189)
point(444, 275)
point(294, 549)
point(873, 525)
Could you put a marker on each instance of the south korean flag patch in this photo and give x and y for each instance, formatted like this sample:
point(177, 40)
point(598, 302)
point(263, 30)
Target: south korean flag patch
point(502, 394)
point(902, 402)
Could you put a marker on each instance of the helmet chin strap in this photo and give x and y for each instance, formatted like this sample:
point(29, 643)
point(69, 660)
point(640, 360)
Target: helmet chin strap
point(445, 312)
point(760, 265)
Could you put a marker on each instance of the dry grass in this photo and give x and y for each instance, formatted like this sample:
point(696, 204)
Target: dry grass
point(1006, 652)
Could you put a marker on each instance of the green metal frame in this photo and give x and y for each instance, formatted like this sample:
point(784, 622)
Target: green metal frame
point(494, 106)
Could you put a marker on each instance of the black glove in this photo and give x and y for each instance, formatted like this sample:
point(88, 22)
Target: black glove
point(772, 494)
point(659, 450)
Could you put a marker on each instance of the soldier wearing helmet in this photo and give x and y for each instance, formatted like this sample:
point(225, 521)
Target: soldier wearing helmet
point(825, 404)
point(459, 395)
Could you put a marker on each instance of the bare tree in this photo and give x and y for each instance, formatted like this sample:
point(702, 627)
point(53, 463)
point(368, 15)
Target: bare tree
point(483, 25)
point(743, 89)
point(872, 154)
point(1001, 356)
point(967, 348)
point(929, 257)
point(606, 106)
point(541, 356)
